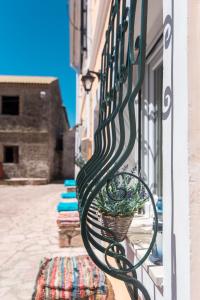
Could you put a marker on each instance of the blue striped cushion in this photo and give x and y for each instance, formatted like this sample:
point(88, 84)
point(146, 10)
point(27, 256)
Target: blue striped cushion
point(70, 182)
point(68, 195)
point(67, 206)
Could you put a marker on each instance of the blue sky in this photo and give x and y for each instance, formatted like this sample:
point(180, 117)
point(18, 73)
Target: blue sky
point(34, 37)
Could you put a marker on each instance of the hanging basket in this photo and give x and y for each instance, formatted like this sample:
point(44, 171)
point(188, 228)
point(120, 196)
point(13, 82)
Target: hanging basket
point(118, 224)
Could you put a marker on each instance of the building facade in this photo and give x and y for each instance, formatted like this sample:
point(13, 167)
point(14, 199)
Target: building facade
point(34, 129)
point(166, 152)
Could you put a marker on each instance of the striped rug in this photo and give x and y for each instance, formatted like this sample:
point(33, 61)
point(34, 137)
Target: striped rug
point(70, 278)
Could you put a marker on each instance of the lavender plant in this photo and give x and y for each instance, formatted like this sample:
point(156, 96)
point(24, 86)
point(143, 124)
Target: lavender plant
point(122, 196)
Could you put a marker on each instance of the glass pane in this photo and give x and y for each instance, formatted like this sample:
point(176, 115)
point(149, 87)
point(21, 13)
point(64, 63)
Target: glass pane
point(158, 83)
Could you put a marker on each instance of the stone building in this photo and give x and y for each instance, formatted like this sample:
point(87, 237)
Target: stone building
point(34, 129)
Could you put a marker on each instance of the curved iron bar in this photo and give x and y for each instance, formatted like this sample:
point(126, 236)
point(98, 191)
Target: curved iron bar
point(111, 96)
point(112, 163)
point(112, 239)
point(109, 155)
point(110, 160)
point(104, 125)
point(103, 77)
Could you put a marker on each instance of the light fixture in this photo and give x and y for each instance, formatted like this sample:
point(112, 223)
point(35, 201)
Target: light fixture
point(79, 124)
point(43, 94)
point(88, 80)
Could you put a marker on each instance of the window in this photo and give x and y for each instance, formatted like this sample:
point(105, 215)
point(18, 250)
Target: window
point(10, 105)
point(59, 144)
point(11, 154)
point(151, 124)
point(158, 173)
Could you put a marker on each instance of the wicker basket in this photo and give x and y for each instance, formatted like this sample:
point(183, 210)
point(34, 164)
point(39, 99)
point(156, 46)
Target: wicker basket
point(118, 224)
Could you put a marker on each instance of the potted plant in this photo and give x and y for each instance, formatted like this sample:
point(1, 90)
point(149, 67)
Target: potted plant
point(117, 203)
point(79, 161)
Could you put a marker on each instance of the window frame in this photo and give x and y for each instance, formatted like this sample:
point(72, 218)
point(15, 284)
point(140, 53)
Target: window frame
point(148, 138)
point(2, 103)
point(15, 154)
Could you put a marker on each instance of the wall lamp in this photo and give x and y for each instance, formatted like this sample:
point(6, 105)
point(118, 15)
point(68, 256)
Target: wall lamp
point(88, 80)
point(78, 125)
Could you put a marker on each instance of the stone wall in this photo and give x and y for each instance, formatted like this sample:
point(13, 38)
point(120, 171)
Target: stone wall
point(69, 154)
point(33, 161)
point(58, 126)
point(36, 130)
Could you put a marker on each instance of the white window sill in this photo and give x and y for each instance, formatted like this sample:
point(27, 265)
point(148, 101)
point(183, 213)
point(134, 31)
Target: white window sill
point(156, 273)
point(139, 238)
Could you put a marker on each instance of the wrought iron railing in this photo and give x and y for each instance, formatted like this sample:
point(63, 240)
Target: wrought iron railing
point(122, 74)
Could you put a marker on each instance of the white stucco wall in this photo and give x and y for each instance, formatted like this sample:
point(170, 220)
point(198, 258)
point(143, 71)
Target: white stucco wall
point(194, 142)
point(175, 156)
point(181, 188)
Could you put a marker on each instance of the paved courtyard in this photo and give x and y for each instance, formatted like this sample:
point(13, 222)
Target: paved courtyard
point(28, 232)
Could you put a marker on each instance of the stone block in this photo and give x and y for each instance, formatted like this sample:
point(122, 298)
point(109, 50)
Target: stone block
point(70, 237)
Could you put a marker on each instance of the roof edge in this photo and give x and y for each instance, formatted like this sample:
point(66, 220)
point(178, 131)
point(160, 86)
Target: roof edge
point(39, 80)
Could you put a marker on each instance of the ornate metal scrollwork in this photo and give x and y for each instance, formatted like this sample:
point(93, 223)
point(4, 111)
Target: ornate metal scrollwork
point(122, 74)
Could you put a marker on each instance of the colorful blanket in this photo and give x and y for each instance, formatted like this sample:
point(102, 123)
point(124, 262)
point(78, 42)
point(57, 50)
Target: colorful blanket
point(70, 278)
point(68, 216)
point(65, 225)
point(69, 220)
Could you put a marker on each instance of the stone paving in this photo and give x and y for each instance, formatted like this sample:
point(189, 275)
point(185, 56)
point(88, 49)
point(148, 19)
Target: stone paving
point(28, 232)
